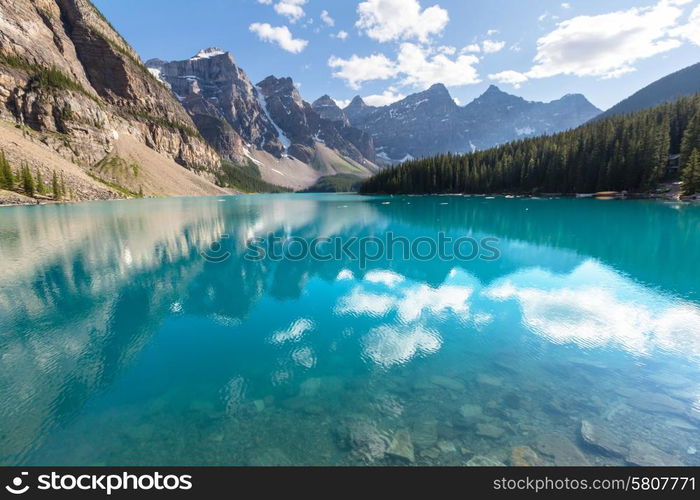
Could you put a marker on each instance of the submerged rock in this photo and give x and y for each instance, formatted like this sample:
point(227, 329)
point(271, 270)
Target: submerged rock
point(432, 453)
point(402, 446)
point(563, 451)
point(364, 440)
point(448, 383)
point(489, 431)
point(469, 415)
point(646, 455)
point(489, 381)
point(447, 447)
point(524, 456)
point(658, 403)
point(512, 400)
point(310, 387)
point(425, 433)
point(482, 461)
point(602, 440)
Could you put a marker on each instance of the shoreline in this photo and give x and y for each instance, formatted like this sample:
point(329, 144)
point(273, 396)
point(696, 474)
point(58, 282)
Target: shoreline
point(22, 201)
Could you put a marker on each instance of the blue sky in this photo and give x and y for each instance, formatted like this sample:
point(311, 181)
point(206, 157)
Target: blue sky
point(383, 49)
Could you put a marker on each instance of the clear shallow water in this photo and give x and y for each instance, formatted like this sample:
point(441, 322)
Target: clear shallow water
point(120, 344)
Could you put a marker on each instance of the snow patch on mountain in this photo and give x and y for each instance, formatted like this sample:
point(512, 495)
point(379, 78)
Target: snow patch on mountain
point(286, 143)
point(207, 53)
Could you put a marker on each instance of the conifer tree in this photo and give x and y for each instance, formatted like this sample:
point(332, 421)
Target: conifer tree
point(691, 138)
point(620, 153)
point(55, 187)
point(691, 174)
point(62, 187)
point(7, 179)
point(27, 181)
point(40, 187)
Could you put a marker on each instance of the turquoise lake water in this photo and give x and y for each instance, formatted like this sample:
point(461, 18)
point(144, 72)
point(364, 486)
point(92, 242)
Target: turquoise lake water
point(121, 344)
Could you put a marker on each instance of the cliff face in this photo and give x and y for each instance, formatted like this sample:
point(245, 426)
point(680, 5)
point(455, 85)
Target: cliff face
point(237, 117)
point(222, 101)
point(303, 126)
point(66, 73)
point(327, 108)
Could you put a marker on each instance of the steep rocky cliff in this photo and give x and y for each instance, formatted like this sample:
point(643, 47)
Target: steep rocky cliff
point(71, 82)
point(327, 108)
point(222, 101)
point(241, 119)
point(304, 127)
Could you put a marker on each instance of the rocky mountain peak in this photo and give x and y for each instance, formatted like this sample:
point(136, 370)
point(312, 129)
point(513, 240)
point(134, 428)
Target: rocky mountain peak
point(495, 94)
point(324, 100)
point(222, 101)
point(282, 88)
point(357, 102)
point(328, 109)
point(493, 89)
point(209, 53)
point(438, 89)
point(273, 85)
point(436, 97)
point(357, 111)
point(577, 100)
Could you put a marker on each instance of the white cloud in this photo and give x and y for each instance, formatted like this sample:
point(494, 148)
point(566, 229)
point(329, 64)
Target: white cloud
point(547, 15)
point(594, 306)
point(327, 19)
point(291, 9)
point(608, 45)
point(447, 50)
point(492, 46)
point(492, 32)
point(389, 346)
point(388, 20)
point(387, 97)
point(417, 66)
point(279, 35)
point(387, 278)
point(345, 274)
point(342, 104)
point(437, 301)
point(294, 332)
point(566, 5)
point(360, 302)
point(421, 67)
point(357, 70)
point(509, 77)
point(341, 35)
point(691, 30)
point(474, 47)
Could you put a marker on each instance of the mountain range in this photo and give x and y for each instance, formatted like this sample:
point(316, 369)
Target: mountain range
point(268, 123)
point(76, 100)
point(430, 122)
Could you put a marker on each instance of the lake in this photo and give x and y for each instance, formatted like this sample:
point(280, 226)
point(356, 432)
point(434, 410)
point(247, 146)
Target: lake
point(146, 333)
